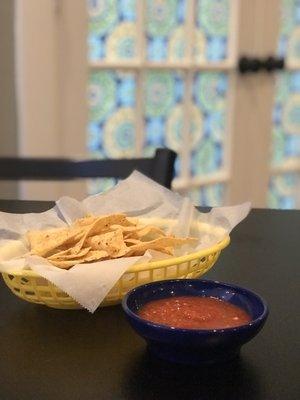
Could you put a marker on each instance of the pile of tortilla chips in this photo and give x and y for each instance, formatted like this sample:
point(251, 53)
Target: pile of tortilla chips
point(100, 238)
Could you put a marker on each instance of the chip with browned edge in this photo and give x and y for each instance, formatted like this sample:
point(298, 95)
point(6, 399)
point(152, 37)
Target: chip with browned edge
point(96, 238)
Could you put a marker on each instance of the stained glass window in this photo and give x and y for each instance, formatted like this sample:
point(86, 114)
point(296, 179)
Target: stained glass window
point(289, 38)
point(286, 118)
point(111, 128)
point(163, 113)
point(284, 186)
point(284, 190)
point(165, 24)
point(209, 195)
point(208, 122)
point(152, 99)
point(112, 30)
point(212, 30)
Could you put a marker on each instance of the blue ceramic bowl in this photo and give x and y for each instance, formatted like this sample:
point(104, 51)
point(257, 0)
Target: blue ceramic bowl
point(195, 346)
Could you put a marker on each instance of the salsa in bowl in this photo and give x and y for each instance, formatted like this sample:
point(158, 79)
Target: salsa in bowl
point(195, 321)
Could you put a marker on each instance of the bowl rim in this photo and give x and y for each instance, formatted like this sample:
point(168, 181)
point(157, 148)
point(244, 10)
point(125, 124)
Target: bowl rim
point(167, 328)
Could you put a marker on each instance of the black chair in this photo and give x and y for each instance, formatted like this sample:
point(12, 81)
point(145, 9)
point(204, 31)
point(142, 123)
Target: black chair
point(160, 168)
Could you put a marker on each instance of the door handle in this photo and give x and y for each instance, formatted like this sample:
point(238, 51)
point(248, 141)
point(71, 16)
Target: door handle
point(255, 64)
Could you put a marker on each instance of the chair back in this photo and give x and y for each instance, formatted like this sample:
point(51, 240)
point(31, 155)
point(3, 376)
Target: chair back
point(160, 168)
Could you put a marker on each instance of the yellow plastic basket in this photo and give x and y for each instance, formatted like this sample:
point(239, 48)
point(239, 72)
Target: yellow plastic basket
point(33, 288)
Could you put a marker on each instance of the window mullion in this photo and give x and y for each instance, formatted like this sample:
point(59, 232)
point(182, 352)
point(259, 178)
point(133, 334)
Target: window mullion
point(186, 147)
point(251, 125)
point(140, 127)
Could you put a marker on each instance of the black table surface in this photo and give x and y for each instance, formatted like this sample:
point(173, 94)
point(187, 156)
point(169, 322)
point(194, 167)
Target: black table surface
point(55, 354)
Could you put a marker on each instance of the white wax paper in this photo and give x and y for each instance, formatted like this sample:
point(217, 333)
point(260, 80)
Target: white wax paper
point(136, 196)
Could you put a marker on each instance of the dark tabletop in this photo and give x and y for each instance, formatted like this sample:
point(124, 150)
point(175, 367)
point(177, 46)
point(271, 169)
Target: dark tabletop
point(54, 354)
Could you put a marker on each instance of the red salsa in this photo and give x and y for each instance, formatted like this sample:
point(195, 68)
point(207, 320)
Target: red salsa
point(193, 312)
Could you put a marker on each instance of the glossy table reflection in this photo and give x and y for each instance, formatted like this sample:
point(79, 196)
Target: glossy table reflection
point(54, 354)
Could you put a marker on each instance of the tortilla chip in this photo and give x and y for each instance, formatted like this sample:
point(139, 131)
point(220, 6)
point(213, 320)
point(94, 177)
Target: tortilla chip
point(92, 255)
point(99, 238)
point(130, 242)
point(64, 264)
point(159, 243)
point(102, 224)
point(146, 233)
point(68, 254)
point(53, 241)
point(141, 252)
point(95, 255)
point(85, 221)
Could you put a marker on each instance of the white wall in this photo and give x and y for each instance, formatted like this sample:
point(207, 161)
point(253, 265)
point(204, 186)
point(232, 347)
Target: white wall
point(8, 115)
point(51, 86)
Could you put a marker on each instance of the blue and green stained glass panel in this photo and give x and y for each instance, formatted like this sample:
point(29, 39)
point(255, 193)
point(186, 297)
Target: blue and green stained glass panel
point(165, 34)
point(289, 37)
point(208, 195)
point(163, 114)
point(112, 32)
point(111, 128)
point(212, 20)
point(283, 187)
point(284, 190)
point(208, 122)
point(286, 118)
point(285, 140)
point(112, 36)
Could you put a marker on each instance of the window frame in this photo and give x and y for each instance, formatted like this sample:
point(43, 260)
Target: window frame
point(246, 170)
